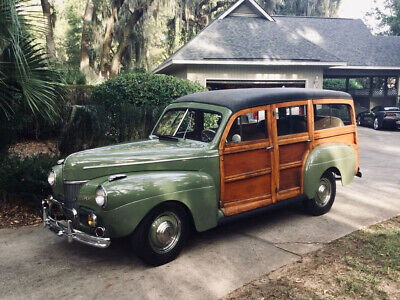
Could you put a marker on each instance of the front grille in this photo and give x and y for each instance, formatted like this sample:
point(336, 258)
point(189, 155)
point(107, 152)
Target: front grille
point(71, 191)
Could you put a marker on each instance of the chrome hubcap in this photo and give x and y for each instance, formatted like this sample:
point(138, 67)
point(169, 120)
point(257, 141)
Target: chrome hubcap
point(323, 192)
point(376, 125)
point(165, 232)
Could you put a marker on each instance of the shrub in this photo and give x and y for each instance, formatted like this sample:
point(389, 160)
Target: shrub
point(142, 89)
point(339, 84)
point(25, 179)
point(124, 108)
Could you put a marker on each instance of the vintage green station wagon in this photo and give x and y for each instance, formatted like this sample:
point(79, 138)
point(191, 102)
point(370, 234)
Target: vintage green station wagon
point(210, 156)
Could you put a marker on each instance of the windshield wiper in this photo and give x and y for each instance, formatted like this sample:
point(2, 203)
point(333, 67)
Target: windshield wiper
point(166, 137)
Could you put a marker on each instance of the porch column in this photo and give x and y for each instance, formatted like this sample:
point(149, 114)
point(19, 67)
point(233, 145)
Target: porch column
point(398, 91)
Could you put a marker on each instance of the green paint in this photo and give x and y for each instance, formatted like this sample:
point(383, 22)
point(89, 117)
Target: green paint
point(322, 158)
point(157, 171)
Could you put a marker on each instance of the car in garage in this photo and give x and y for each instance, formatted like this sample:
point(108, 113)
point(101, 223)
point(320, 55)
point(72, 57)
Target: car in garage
point(210, 156)
point(380, 117)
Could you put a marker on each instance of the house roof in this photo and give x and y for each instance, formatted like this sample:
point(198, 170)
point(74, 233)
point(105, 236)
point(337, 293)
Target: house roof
point(254, 39)
point(245, 34)
point(238, 99)
point(348, 39)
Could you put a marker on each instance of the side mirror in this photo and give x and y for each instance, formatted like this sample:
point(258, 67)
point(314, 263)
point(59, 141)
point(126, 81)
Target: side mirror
point(236, 138)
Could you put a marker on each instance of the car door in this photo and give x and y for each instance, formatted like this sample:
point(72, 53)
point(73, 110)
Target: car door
point(246, 158)
point(292, 141)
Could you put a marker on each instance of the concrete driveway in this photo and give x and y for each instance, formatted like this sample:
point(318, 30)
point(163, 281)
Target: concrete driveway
point(35, 264)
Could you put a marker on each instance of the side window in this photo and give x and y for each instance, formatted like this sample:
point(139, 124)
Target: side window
point(248, 127)
point(331, 116)
point(291, 120)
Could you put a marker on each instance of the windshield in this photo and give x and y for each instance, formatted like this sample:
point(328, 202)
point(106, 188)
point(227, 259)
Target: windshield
point(194, 124)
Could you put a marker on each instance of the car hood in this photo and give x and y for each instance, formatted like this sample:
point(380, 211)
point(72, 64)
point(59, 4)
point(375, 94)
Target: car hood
point(146, 155)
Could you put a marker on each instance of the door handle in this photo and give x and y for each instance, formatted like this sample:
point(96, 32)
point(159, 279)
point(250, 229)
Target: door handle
point(309, 140)
point(270, 147)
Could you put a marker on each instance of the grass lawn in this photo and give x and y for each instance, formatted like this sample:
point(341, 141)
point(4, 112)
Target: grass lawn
point(362, 265)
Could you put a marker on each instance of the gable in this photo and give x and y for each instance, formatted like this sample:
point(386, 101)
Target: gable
point(246, 8)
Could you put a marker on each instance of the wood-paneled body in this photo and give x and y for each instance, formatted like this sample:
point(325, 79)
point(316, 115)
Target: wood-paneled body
point(246, 171)
point(258, 173)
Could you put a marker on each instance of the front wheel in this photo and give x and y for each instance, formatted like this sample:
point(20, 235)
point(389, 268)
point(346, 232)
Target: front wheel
point(161, 235)
point(359, 121)
point(324, 197)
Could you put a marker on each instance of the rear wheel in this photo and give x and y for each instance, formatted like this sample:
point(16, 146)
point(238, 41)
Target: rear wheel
point(161, 235)
point(324, 197)
point(377, 126)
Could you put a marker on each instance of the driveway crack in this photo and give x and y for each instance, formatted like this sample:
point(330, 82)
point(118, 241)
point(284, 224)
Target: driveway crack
point(270, 243)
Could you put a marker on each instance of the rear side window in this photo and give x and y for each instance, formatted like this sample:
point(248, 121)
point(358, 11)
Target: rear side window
point(331, 116)
point(248, 127)
point(291, 120)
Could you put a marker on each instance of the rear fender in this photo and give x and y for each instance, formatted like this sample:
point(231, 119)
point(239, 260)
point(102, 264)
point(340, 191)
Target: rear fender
point(322, 158)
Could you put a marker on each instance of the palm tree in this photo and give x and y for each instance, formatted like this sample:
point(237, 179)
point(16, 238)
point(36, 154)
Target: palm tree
point(26, 78)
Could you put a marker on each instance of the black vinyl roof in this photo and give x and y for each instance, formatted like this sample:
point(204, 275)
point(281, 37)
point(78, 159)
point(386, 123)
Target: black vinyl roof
point(238, 99)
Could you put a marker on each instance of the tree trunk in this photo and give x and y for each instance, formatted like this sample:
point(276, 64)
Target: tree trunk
point(108, 37)
point(49, 24)
point(133, 19)
point(87, 20)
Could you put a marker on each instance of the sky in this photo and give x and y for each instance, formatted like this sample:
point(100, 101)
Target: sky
point(358, 9)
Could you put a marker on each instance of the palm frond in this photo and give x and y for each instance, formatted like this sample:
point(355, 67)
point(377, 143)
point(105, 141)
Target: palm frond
point(26, 78)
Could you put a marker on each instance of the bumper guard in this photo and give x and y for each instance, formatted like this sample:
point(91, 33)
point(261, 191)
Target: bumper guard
point(72, 234)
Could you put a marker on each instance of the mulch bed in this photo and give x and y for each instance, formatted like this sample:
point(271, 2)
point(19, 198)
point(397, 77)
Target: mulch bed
point(17, 214)
point(33, 148)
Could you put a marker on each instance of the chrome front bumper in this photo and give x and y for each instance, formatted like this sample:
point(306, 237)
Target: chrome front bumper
point(64, 228)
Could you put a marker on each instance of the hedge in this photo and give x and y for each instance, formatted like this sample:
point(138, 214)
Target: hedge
point(142, 89)
point(122, 109)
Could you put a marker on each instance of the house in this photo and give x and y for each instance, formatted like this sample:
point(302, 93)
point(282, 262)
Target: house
point(246, 47)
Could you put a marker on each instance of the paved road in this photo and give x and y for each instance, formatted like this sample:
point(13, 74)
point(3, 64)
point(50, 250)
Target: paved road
point(34, 263)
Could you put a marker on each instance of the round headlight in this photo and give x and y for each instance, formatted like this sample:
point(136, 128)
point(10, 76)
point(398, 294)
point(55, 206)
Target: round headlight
point(52, 178)
point(101, 196)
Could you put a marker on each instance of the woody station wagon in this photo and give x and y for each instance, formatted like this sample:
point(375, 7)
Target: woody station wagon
point(210, 156)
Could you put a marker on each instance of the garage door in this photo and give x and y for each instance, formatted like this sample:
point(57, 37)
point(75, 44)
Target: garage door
point(241, 84)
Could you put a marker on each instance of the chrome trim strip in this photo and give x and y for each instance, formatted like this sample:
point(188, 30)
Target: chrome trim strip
point(75, 181)
point(148, 162)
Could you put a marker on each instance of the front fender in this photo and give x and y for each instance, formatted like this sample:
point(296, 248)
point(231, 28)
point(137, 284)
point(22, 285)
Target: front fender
point(322, 158)
point(131, 198)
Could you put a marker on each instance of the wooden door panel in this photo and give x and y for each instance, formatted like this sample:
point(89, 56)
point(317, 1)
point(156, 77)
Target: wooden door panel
point(246, 161)
point(248, 188)
point(290, 178)
point(292, 152)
